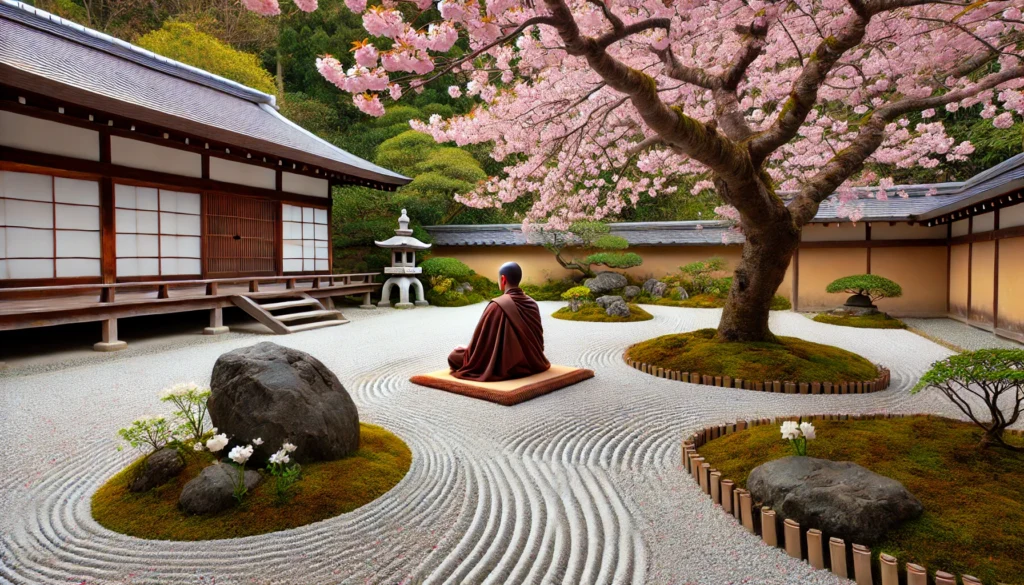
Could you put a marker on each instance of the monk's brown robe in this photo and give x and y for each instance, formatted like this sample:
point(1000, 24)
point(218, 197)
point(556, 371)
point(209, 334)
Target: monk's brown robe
point(503, 347)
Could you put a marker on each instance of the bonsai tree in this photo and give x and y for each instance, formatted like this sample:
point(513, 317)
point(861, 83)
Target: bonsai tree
point(989, 380)
point(592, 235)
point(576, 295)
point(871, 286)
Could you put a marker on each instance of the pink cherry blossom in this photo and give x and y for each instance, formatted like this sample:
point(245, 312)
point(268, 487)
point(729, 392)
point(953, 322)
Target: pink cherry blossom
point(306, 5)
point(356, 6)
point(366, 55)
point(1004, 120)
point(263, 7)
point(369, 103)
point(454, 91)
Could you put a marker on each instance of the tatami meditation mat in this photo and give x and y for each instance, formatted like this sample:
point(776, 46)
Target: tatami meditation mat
point(507, 392)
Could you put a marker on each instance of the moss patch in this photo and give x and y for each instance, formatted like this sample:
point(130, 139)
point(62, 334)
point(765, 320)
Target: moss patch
point(709, 301)
point(973, 499)
point(326, 489)
point(792, 359)
point(596, 313)
point(877, 321)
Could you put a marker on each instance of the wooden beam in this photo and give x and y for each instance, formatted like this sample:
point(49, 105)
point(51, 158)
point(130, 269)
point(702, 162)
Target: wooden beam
point(931, 242)
point(990, 236)
point(995, 278)
point(970, 264)
point(29, 161)
point(796, 279)
point(867, 239)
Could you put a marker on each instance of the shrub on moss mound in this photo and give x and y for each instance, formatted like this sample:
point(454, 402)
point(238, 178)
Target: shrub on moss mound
point(869, 285)
point(973, 519)
point(595, 313)
point(876, 321)
point(791, 359)
point(447, 267)
point(326, 489)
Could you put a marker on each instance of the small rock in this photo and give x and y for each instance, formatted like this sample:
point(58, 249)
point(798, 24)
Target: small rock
point(280, 394)
point(681, 293)
point(213, 490)
point(655, 288)
point(840, 498)
point(605, 282)
point(159, 468)
point(606, 300)
point(466, 287)
point(631, 292)
point(617, 308)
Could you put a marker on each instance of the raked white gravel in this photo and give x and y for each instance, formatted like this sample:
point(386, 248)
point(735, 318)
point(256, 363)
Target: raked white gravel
point(579, 486)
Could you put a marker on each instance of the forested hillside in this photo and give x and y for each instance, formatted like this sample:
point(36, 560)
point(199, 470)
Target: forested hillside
point(277, 55)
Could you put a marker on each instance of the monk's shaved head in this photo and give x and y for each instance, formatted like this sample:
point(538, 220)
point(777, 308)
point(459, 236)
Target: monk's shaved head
point(512, 272)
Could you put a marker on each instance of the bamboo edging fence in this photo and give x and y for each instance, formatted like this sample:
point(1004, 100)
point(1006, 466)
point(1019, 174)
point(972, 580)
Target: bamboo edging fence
point(848, 561)
point(777, 386)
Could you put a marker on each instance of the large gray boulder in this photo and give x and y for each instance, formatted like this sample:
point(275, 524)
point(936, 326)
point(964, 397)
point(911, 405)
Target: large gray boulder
point(280, 394)
point(157, 469)
point(839, 498)
point(605, 282)
point(631, 292)
point(655, 288)
point(213, 490)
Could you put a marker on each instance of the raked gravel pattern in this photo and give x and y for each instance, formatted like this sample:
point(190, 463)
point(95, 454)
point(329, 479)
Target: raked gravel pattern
point(580, 486)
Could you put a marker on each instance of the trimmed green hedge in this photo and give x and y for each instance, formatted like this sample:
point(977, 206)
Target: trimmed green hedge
point(870, 285)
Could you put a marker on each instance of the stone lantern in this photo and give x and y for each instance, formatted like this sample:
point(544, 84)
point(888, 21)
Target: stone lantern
point(403, 266)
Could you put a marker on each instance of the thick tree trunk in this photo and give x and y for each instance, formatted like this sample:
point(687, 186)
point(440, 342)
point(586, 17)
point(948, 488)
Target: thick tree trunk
point(762, 268)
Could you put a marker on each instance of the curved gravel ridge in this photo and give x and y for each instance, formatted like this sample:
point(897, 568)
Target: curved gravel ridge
point(578, 486)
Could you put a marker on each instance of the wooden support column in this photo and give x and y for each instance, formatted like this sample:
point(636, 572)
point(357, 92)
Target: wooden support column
point(109, 335)
point(867, 238)
point(216, 323)
point(995, 278)
point(108, 230)
point(970, 264)
point(796, 280)
point(949, 262)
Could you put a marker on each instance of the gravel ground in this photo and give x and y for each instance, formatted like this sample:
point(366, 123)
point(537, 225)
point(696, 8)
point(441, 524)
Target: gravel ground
point(961, 334)
point(579, 486)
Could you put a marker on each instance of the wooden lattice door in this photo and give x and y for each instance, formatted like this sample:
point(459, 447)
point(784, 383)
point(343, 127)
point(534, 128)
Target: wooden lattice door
point(239, 236)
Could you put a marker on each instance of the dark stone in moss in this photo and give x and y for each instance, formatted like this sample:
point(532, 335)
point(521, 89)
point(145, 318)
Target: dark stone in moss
point(839, 498)
point(157, 469)
point(213, 490)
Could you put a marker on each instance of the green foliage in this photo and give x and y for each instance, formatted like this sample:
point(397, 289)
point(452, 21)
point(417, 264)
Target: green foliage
point(190, 401)
point(182, 42)
point(609, 242)
point(876, 321)
point(313, 115)
point(790, 359)
point(994, 377)
point(614, 259)
point(699, 277)
point(149, 433)
point(576, 292)
point(441, 284)
point(870, 285)
point(549, 291)
point(780, 303)
point(594, 313)
point(446, 267)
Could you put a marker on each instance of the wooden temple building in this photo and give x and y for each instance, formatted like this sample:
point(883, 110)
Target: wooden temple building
point(131, 184)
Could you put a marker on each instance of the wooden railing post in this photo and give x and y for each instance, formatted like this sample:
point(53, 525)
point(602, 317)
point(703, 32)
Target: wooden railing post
point(254, 286)
point(163, 292)
point(108, 294)
point(211, 289)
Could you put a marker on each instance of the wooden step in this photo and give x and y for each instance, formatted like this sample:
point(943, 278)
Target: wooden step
point(322, 314)
point(290, 304)
point(316, 325)
point(254, 310)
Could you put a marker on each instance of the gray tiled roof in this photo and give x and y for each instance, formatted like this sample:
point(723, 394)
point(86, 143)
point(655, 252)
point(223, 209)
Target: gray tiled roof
point(1002, 178)
point(47, 51)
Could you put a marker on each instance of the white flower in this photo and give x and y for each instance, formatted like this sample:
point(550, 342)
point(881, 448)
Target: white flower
point(198, 447)
point(808, 430)
point(214, 430)
point(240, 454)
point(280, 457)
point(289, 447)
point(790, 430)
point(257, 441)
point(217, 443)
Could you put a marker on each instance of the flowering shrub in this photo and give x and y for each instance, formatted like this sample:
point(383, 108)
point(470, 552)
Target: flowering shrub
point(798, 433)
point(240, 455)
point(441, 284)
point(576, 295)
point(190, 399)
point(148, 432)
point(286, 475)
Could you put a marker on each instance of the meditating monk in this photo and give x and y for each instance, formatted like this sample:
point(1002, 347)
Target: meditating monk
point(509, 340)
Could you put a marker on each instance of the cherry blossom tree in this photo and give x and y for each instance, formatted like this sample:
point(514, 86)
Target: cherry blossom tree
point(777, 105)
